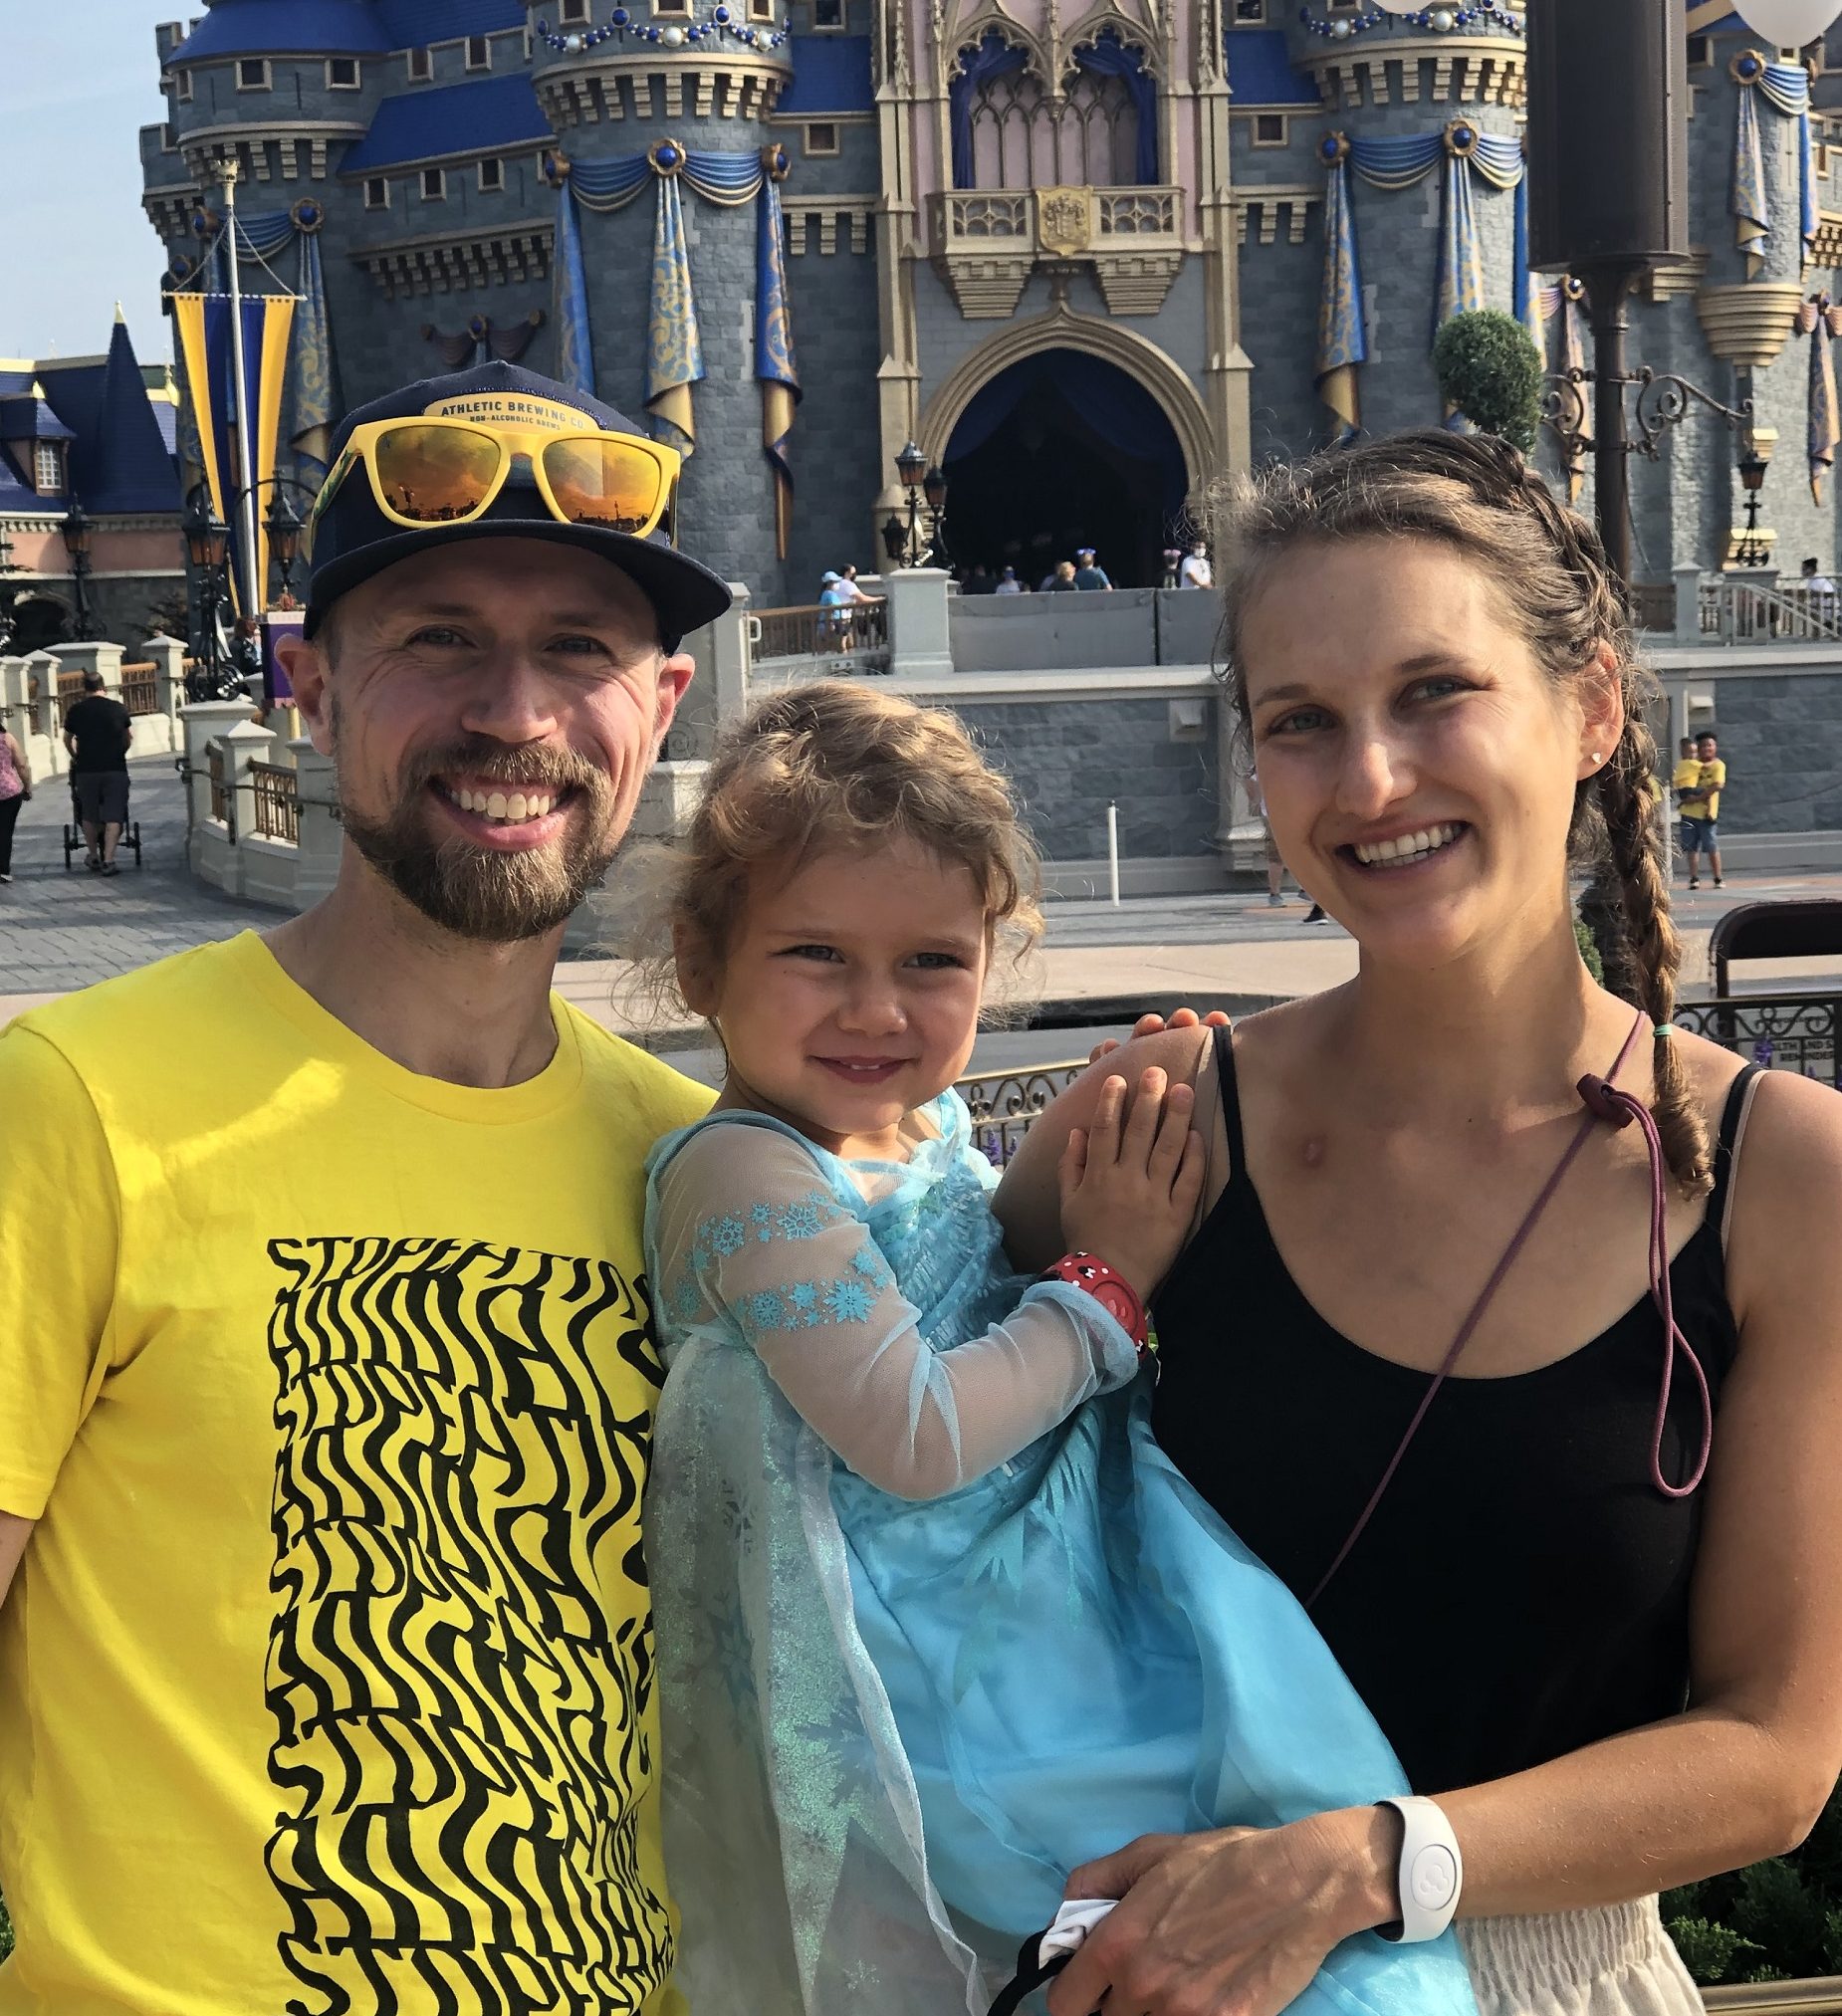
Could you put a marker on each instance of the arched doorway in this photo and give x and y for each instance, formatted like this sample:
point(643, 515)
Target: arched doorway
point(1061, 450)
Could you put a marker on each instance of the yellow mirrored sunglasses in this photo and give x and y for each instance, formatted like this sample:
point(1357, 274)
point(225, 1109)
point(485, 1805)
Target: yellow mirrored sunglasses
point(427, 472)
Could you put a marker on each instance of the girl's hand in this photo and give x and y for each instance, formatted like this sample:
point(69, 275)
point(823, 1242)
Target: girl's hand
point(1234, 1923)
point(1150, 1024)
point(1130, 1188)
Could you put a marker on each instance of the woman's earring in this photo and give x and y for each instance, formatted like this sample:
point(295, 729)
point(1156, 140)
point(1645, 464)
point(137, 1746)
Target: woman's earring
point(1596, 756)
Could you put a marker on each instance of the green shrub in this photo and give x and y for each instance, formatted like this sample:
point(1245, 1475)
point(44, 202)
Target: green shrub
point(1590, 950)
point(1487, 366)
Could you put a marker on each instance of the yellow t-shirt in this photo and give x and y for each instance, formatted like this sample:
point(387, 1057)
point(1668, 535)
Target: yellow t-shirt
point(1703, 785)
point(326, 1681)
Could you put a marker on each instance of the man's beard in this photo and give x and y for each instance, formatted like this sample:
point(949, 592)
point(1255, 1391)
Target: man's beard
point(478, 892)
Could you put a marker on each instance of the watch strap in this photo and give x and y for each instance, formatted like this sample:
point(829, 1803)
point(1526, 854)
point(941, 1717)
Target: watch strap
point(1114, 1293)
point(1430, 1875)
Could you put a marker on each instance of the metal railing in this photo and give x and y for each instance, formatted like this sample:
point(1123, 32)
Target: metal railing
point(1744, 612)
point(850, 637)
point(1783, 1032)
point(1652, 605)
point(69, 690)
point(1003, 1104)
point(276, 791)
point(223, 809)
point(140, 688)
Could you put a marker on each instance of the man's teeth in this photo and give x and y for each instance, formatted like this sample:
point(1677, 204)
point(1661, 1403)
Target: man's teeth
point(511, 807)
point(1408, 847)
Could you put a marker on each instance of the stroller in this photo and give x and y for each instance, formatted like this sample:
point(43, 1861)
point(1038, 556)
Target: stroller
point(74, 843)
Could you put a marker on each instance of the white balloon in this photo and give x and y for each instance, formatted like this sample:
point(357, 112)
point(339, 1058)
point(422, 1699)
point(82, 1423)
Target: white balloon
point(1787, 24)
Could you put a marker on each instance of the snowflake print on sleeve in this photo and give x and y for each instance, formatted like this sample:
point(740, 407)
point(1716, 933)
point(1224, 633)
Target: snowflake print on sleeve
point(759, 1249)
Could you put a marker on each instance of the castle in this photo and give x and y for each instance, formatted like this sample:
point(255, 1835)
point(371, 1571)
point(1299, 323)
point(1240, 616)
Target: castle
point(1087, 254)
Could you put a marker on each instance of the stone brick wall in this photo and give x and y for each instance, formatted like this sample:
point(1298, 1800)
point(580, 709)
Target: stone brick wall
point(1068, 758)
point(1781, 741)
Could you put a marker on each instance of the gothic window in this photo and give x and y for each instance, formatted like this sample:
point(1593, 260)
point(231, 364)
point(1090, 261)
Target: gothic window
point(1023, 138)
point(48, 468)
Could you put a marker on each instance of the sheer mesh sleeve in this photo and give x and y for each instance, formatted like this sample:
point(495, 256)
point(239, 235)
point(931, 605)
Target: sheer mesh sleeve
point(747, 1229)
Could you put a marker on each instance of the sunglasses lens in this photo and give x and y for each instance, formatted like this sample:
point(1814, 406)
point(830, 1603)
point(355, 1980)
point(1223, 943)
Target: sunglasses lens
point(604, 482)
point(435, 475)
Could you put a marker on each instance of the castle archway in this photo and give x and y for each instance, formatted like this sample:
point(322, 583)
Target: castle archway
point(1052, 438)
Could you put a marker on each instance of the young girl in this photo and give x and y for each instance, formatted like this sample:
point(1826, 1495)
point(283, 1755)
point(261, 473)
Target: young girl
point(931, 1631)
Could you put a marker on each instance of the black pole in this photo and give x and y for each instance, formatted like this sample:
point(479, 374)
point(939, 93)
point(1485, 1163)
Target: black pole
point(1609, 289)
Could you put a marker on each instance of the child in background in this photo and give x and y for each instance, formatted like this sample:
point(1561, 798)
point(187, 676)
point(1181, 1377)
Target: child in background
point(936, 1618)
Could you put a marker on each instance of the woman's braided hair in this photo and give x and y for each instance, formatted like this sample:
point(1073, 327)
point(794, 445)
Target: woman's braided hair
point(1476, 496)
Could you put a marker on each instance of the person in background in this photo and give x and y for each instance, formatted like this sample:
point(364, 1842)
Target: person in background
point(97, 732)
point(1820, 587)
point(1062, 580)
point(834, 599)
point(1089, 574)
point(1007, 583)
point(15, 789)
point(1684, 777)
point(1172, 555)
point(1701, 809)
point(1196, 572)
point(978, 581)
point(246, 657)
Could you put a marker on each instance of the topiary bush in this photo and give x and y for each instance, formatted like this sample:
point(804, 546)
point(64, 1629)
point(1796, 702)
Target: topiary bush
point(1779, 1920)
point(1488, 367)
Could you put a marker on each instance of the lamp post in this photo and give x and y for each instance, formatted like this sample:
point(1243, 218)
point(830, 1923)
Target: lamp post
point(8, 568)
point(207, 541)
point(76, 530)
point(284, 527)
point(1751, 551)
point(906, 544)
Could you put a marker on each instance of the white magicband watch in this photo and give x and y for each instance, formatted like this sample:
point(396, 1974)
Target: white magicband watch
point(1431, 1873)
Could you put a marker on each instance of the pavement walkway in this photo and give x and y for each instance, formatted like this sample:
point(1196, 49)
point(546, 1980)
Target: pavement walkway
point(61, 930)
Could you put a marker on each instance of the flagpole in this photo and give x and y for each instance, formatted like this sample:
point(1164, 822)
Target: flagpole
point(246, 477)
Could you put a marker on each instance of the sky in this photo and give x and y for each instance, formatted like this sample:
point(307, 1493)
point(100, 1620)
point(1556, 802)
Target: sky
point(79, 79)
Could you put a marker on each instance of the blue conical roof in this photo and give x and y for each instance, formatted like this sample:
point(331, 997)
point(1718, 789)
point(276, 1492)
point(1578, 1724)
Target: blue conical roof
point(119, 461)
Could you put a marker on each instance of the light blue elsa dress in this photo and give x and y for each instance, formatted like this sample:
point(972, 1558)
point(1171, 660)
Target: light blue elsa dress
point(907, 1689)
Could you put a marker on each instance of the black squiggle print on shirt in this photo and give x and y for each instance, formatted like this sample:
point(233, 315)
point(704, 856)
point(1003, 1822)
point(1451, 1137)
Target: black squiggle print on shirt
point(461, 1659)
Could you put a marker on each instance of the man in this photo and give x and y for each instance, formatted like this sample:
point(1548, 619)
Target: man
point(325, 1368)
point(97, 732)
point(978, 581)
point(1007, 583)
point(1819, 588)
point(1088, 575)
point(1196, 572)
point(1701, 809)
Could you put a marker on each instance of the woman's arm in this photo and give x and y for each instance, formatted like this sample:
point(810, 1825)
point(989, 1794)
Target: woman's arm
point(1741, 1775)
point(20, 759)
point(1029, 1202)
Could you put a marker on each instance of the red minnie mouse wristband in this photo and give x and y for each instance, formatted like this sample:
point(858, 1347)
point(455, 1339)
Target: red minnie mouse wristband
point(1114, 1293)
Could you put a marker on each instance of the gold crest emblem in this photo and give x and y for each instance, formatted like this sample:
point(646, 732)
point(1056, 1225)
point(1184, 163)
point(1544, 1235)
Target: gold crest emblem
point(1064, 220)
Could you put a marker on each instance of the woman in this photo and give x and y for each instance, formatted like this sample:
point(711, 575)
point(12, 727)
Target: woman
point(15, 789)
point(1608, 1681)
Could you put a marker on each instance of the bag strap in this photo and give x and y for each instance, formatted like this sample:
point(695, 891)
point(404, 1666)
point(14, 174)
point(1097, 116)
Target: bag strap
point(1031, 1974)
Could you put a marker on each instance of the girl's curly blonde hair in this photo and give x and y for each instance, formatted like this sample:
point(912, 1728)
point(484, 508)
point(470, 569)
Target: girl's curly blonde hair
point(838, 766)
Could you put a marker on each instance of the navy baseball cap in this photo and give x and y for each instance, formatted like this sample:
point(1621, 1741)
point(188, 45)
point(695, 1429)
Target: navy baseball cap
point(354, 540)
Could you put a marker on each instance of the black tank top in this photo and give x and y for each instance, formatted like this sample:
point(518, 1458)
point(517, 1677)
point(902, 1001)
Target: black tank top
point(1522, 1589)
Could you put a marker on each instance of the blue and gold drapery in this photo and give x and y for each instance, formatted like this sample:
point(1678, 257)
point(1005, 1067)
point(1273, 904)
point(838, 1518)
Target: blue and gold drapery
point(675, 346)
point(1398, 161)
point(1822, 324)
point(1785, 86)
point(262, 240)
point(204, 326)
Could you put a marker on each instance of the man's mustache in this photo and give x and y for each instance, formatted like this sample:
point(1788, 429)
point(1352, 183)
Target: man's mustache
point(551, 770)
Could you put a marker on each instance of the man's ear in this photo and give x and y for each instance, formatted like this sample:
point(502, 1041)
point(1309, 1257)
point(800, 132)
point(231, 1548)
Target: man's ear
point(675, 675)
point(308, 671)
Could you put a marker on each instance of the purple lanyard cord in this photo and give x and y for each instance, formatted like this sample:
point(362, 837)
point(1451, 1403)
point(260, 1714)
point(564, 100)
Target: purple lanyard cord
point(1604, 1102)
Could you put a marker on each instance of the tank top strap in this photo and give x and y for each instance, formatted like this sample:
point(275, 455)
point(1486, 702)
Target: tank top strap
point(1726, 1146)
point(1231, 1103)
